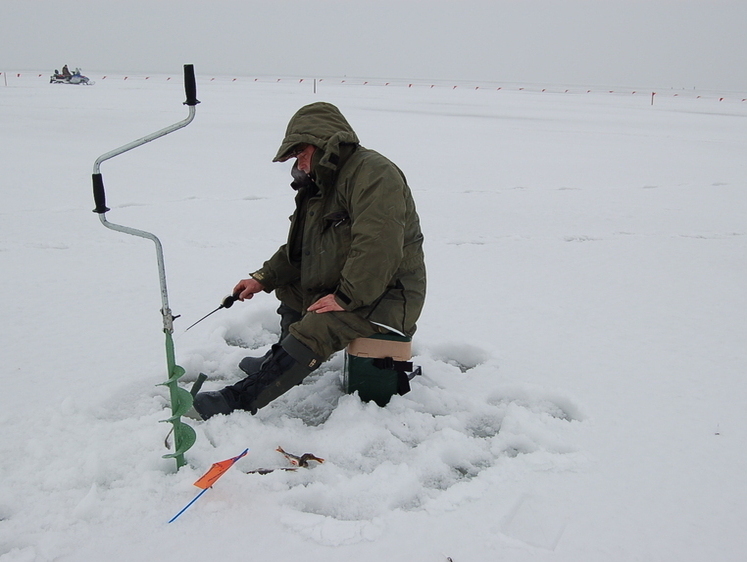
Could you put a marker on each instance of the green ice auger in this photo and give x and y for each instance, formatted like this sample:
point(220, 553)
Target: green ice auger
point(181, 399)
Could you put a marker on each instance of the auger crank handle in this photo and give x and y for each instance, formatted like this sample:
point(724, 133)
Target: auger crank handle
point(99, 197)
point(190, 86)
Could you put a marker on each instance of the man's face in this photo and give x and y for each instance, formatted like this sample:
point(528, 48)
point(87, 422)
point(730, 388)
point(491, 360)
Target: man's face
point(303, 158)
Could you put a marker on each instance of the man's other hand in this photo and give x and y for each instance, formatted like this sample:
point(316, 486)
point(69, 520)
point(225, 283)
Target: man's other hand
point(326, 304)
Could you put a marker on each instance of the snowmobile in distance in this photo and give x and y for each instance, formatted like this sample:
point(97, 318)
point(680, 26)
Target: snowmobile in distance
point(66, 78)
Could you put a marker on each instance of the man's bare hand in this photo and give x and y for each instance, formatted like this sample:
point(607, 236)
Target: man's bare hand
point(247, 288)
point(326, 304)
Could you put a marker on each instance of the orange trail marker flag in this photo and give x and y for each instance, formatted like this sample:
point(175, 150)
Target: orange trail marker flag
point(209, 478)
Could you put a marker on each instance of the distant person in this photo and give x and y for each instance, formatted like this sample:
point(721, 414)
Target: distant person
point(353, 265)
point(66, 72)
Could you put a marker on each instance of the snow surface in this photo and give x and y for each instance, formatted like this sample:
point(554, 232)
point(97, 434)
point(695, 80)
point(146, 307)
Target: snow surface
point(583, 342)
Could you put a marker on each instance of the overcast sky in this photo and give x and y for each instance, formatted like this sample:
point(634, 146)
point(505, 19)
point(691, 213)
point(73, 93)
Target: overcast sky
point(642, 43)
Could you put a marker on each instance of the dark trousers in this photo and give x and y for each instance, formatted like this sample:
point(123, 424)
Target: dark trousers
point(324, 333)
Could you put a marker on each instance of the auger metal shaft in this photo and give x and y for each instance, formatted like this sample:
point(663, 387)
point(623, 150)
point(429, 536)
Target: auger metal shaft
point(181, 399)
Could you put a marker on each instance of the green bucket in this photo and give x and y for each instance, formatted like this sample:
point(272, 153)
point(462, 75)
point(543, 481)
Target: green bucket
point(379, 367)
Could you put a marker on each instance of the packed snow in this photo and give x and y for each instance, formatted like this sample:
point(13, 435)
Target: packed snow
point(583, 342)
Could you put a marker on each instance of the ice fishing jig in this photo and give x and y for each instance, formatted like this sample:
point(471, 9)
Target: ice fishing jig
point(227, 303)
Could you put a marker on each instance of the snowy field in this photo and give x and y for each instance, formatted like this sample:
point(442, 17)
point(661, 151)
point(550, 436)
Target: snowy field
point(583, 342)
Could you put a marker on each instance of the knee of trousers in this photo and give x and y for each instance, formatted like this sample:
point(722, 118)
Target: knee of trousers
point(329, 332)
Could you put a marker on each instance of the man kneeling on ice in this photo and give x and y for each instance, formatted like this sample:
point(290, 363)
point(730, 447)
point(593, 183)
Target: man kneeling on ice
point(353, 265)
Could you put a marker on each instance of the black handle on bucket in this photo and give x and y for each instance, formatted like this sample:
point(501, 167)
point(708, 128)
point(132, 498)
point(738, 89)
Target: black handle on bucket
point(189, 85)
point(99, 197)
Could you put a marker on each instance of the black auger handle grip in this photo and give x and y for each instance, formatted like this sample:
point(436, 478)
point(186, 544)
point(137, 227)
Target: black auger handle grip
point(190, 87)
point(99, 197)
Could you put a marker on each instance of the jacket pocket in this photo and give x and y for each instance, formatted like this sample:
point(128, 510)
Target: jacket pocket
point(334, 247)
point(335, 219)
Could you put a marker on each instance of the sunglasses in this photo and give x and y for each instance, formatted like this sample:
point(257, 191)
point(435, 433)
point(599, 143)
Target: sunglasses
point(298, 149)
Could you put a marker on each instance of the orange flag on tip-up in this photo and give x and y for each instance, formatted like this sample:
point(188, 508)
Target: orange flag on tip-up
point(216, 471)
point(209, 478)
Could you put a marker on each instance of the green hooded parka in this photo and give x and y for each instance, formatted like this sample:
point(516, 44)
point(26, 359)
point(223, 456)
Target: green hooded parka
point(355, 233)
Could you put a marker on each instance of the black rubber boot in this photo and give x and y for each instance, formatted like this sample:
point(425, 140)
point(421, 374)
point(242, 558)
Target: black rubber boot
point(288, 316)
point(207, 404)
point(250, 365)
point(289, 363)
